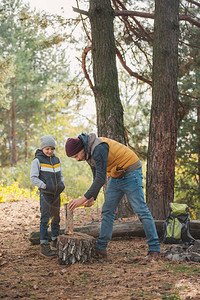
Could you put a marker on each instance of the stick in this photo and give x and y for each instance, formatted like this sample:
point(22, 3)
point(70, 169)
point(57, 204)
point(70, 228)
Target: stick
point(69, 225)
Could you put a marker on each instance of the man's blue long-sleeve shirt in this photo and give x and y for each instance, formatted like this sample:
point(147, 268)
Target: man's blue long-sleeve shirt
point(100, 156)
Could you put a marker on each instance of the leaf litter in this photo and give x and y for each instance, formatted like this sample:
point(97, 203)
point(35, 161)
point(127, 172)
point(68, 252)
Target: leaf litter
point(24, 274)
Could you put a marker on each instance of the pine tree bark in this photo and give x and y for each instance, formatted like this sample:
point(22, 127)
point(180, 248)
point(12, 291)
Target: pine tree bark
point(109, 109)
point(74, 247)
point(108, 105)
point(163, 124)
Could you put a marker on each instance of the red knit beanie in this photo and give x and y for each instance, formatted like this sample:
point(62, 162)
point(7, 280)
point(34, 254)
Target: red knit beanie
point(73, 146)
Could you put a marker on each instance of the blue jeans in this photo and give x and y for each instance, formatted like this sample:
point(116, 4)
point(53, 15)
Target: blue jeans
point(50, 210)
point(131, 185)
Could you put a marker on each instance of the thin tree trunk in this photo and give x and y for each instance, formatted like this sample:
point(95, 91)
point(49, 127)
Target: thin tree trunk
point(26, 140)
point(163, 125)
point(198, 139)
point(14, 146)
point(9, 136)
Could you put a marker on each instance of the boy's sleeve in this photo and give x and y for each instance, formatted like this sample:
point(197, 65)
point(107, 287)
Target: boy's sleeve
point(100, 157)
point(34, 176)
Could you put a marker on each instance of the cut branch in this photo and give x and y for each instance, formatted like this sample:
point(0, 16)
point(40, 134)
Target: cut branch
point(80, 11)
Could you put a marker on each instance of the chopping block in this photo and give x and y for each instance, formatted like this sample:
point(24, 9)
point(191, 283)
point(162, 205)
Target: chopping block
point(73, 246)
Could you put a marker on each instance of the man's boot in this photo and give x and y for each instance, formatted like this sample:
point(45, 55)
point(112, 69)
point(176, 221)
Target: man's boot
point(45, 250)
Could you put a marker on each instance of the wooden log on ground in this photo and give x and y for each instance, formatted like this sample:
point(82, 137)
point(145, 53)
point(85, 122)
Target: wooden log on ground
point(131, 228)
point(74, 247)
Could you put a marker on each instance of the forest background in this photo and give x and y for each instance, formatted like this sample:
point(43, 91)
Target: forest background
point(43, 90)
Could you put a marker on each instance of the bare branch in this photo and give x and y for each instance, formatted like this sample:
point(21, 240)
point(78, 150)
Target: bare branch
point(84, 54)
point(146, 36)
point(142, 154)
point(190, 20)
point(141, 15)
point(84, 27)
point(194, 2)
point(136, 75)
point(151, 16)
point(134, 13)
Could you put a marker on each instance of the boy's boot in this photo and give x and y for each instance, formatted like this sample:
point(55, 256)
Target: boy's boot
point(46, 251)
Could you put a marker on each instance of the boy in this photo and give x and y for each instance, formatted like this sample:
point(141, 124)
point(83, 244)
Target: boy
point(46, 174)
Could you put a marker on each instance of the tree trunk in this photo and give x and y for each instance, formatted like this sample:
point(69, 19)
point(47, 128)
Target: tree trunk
point(78, 247)
point(13, 138)
point(9, 136)
point(74, 247)
point(163, 124)
point(108, 105)
point(106, 90)
point(26, 140)
point(198, 139)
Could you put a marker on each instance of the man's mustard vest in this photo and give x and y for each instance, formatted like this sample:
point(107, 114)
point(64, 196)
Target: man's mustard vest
point(120, 157)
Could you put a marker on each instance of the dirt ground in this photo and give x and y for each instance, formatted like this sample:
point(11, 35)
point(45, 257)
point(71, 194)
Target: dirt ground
point(24, 274)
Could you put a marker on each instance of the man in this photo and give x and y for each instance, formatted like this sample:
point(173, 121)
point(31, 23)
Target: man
point(108, 157)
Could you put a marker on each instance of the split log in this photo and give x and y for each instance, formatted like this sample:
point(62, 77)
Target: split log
point(133, 228)
point(74, 247)
point(69, 224)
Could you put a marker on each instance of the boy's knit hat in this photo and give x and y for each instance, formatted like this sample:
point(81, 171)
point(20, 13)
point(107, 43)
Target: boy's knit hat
point(73, 146)
point(48, 141)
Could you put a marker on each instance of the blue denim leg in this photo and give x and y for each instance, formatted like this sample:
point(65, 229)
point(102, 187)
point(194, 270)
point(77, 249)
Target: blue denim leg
point(133, 188)
point(112, 198)
point(49, 208)
point(131, 185)
point(44, 219)
point(55, 213)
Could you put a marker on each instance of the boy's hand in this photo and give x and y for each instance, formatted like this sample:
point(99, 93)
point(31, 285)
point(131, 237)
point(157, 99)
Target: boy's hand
point(77, 203)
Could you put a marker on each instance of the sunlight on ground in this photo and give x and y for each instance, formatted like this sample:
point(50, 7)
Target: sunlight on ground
point(188, 289)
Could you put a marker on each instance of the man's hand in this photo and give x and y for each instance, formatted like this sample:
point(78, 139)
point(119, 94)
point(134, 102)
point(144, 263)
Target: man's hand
point(89, 202)
point(77, 203)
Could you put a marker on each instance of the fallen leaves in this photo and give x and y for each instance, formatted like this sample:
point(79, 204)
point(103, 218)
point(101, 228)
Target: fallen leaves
point(125, 275)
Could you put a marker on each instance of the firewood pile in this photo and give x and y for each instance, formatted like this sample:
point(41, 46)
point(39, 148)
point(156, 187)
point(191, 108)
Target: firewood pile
point(183, 252)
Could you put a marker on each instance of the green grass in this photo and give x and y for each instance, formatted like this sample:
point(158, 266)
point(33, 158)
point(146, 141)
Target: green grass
point(177, 269)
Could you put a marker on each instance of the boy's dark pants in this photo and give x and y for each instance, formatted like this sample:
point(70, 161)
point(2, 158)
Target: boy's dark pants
point(50, 211)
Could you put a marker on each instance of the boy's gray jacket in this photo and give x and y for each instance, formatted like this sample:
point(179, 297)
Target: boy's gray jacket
point(46, 172)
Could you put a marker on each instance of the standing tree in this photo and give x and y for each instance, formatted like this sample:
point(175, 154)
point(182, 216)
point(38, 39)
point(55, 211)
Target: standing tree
point(136, 38)
point(163, 124)
point(108, 105)
point(106, 90)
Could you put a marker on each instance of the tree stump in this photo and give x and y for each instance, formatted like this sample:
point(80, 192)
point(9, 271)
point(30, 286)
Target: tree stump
point(72, 246)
